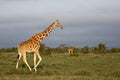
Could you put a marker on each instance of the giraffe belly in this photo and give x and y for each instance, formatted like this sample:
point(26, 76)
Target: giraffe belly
point(28, 46)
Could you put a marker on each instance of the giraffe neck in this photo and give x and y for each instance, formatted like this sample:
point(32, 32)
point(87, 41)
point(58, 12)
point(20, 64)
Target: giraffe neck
point(41, 36)
point(49, 29)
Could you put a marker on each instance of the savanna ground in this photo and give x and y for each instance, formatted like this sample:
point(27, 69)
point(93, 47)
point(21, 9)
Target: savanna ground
point(62, 67)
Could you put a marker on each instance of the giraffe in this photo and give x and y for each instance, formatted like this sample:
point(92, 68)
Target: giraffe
point(71, 49)
point(33, 45)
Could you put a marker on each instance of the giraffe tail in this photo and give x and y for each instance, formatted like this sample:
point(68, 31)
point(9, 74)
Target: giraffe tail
point(18, 57)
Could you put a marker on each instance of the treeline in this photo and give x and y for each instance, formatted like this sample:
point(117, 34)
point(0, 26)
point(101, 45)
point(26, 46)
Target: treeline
point(4, 50)
point(101, 48)
point(62, 48)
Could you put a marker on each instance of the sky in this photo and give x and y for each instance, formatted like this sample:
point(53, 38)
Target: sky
point(85, 22)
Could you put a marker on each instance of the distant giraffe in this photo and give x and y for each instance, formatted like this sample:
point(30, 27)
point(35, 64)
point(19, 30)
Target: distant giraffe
point(71, 49)
point(33, 45)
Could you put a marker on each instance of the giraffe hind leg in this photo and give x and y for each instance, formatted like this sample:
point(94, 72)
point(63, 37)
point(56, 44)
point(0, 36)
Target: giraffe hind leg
point(18, 58)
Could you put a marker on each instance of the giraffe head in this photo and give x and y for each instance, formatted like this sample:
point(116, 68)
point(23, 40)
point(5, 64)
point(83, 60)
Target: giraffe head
point(58, 24)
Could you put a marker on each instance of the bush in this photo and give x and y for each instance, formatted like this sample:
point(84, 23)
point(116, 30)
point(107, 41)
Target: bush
point(0, 55)
point(85, 49)
point(115, 50)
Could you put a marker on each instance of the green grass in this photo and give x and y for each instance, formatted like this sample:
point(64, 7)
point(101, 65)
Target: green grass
point(62, 67)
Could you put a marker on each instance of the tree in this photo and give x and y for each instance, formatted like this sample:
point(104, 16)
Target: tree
point(115, 50)
point(95, 50)
point(85, 49)
point(62, 45)
point(102, 48)
point(42, 49)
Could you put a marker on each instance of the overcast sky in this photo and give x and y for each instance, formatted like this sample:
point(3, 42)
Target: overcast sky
point(85, 22)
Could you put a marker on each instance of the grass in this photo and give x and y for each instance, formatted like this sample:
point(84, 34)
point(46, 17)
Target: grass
point(62, 67)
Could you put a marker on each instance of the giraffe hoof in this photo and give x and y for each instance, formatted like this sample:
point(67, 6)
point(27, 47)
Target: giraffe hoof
point(35, 69)
point(30, 69)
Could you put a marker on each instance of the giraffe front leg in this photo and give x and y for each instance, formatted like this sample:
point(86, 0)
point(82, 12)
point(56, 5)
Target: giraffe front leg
point(40, 59)
point(24, 59)
point(35, 62)
point(69, 52)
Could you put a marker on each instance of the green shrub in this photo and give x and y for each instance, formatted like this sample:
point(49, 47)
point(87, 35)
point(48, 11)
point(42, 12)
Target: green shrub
point(85, 49)
point(0, 54)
